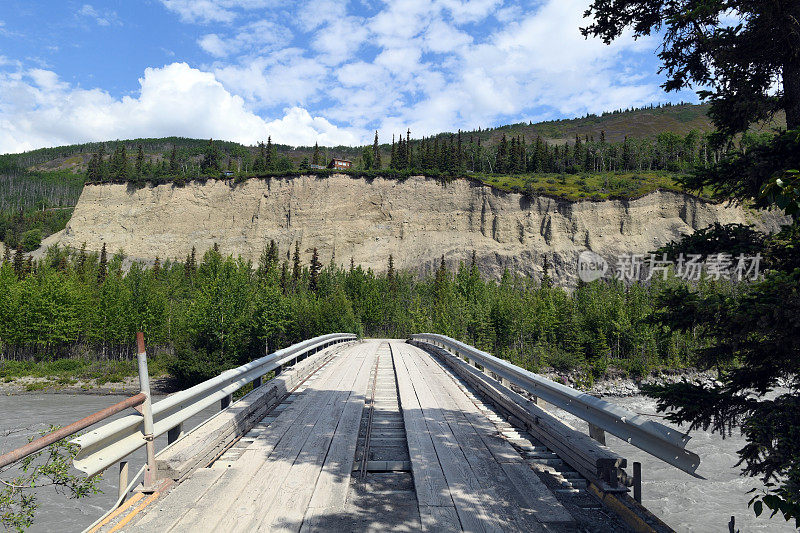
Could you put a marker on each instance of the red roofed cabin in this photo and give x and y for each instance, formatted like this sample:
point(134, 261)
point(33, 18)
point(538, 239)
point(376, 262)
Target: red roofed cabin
point(340, 164)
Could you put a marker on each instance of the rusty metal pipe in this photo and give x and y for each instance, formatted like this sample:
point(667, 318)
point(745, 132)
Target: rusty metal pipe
point(147, 414)
point(66, 431)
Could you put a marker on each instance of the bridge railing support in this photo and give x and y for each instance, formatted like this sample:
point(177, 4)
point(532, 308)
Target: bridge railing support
point(656, 439)
point(147, 416)
point(112, 442)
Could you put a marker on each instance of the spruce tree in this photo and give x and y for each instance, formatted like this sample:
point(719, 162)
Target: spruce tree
point(315, 269)
point(102, 268)
point(408, 148)
point(393, 160)
point(296, 267)
point(272, 254)
point(19, 261)
point(102, 164)
point(93, 169)
point(6, 253)
point(284, 275)
point(269, 161)
point(260, 164)
point(139, 163)
point(315, 158)
point(376, 153)
point(174, 165)
point(390, 269)
point(193, 260)
point(210, 163)
point(157, 267)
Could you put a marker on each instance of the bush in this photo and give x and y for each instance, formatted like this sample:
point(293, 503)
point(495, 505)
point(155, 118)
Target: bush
point(31, 239)
point(563, 360)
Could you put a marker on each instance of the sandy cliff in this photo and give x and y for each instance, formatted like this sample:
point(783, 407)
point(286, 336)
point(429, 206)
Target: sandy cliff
point(416, 220)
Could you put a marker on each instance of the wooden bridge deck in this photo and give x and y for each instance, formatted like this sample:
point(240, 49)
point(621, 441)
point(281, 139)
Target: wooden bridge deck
point(380, 438)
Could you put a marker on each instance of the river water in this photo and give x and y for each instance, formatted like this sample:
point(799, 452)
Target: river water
point(34, 412)
point(685, 503)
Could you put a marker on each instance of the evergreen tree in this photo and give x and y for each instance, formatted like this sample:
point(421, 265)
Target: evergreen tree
point(314, 270)
point(102, 164)
point(315, 158)
point(296, 267)
point(174, 164)
point(376, 153)
point(284, 276)
point(390, 270)
point(157, 267)
point(210, 163)
point(93, 174)
point(270, 159)
point(139, 169)
point(102, 268)
point(19, 261)
point(260, 164)
point(120, 164)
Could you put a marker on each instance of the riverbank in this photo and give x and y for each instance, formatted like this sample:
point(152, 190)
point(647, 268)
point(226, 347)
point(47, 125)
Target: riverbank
point(81, 376)
point(163, 384)
point(616, 383)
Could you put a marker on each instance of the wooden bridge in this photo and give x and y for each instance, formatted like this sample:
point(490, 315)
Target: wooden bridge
point(427, 434)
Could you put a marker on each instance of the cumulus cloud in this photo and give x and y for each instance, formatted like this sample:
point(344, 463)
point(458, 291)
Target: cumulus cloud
point(38, 109)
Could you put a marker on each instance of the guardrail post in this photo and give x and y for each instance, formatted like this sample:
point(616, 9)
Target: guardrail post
point(123, 479)
point(597, 434)
point(174, 433)
point(147, 414)
point(637, 481)
point(257, 382)
point(225, 402)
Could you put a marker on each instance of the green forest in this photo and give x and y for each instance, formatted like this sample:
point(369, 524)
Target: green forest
point(207, 314)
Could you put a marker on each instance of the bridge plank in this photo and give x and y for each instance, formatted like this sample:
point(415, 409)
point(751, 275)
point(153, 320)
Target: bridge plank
point(272, 476)
point(493, 485)
point(439, 519)
point(167, 511)
point(333, 445)
point(472, 509)
point(526, 489)
point(429, 480)
point(287, 426)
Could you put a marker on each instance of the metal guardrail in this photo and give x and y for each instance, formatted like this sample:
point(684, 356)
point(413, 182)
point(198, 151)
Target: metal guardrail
point(55, 436)
point(108, 444)
point(656, 439)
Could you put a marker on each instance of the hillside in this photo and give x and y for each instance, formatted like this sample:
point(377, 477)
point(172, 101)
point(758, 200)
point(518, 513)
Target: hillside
point(417, 220)
point(642, 123)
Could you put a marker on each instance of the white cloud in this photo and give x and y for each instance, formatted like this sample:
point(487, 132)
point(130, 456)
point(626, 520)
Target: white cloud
point(298, 127)
point(38, 109)
point(208, 11)
point(280, 79)
point(257, 37)
point(107, 18)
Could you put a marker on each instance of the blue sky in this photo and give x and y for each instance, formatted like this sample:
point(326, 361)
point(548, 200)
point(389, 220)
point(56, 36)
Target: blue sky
point(327, 71)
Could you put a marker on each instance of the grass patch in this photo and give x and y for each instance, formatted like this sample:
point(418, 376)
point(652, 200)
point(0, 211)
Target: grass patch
point(596, 186)
point(69, 371)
